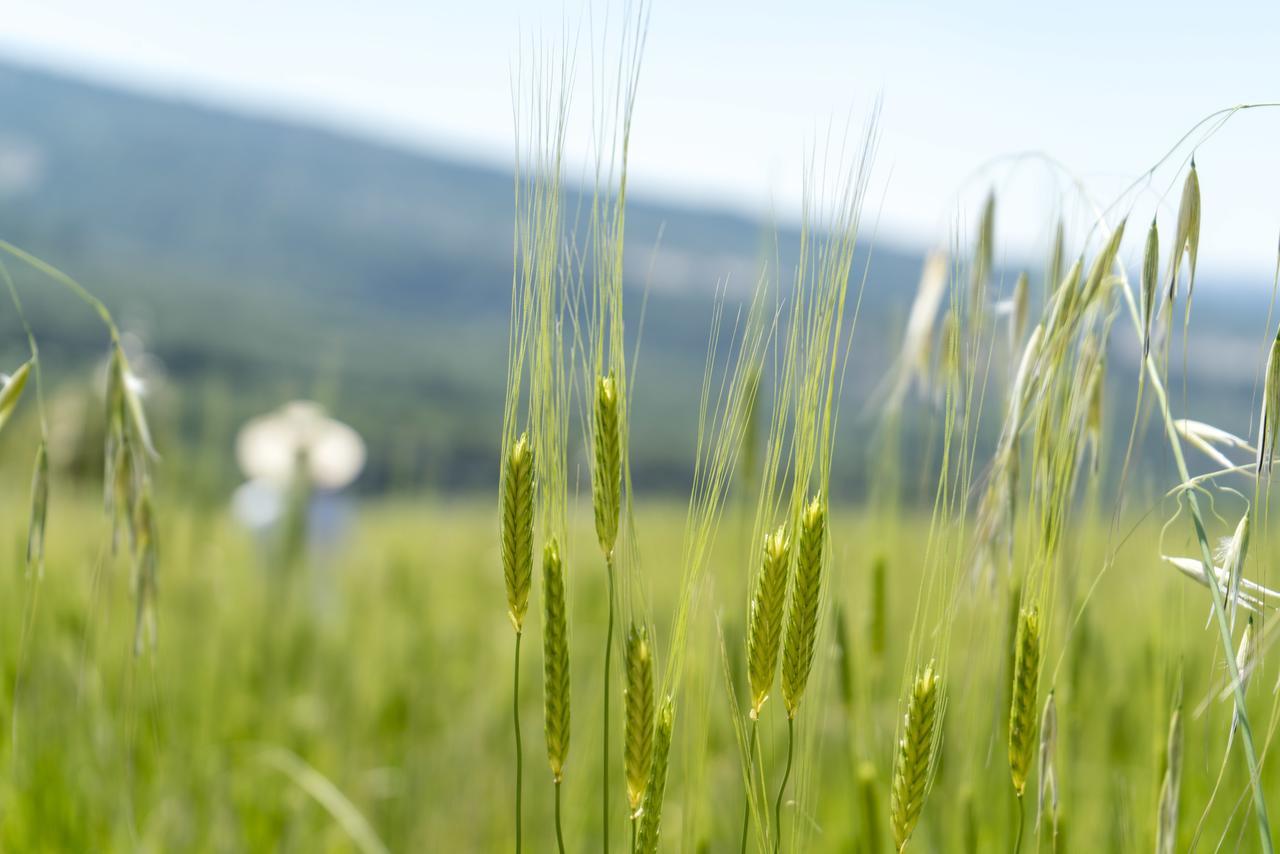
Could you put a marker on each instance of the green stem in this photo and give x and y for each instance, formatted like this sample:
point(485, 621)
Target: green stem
point(1215, 594)
point(746, 807)
point(786, 775)
point(66, 281)
point(559, 830)
point(1022, 818)
point(515, 715)
point(608, 667)
point(634, 823)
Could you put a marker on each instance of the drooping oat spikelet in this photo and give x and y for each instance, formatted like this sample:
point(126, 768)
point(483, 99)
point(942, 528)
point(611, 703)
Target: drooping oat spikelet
point(1232, 557)
point(1206, 438)
point(655, 789)
point(1101, 269)
point(39, 511)
point(555, 658)
point(1269, 422)
point(1252, 596)
point(984, 254)
point(1150, 272)
point(11, 391)
point(1022, 708)
point(144, 574)
point(1187, 237)
point(1093, 416)
point(1246, 658)
point(517, 529)
point(1021, 310)
point(606, 473)
point(1170, 789)
point(916, 747)
point(1048, 788)
point(1057, 259)
point(638, 723)
point(802, 623)
point(764, 633)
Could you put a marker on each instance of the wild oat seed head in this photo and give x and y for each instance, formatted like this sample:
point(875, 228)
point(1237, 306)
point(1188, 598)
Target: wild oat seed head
point(11, 392)
point(1150, 273)
point(764, 632)
point(1022, 708)
point(555, 659)
point(517, 529)
point(914, 762)
point(806, 594)
point(638, 723)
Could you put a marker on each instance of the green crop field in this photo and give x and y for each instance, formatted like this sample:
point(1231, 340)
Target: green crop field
point(979, 566)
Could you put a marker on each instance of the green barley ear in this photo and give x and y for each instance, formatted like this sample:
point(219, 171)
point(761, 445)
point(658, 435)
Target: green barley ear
point(1150, 272)
point(555, 657)
point(11, 392)
point(802, 624)
point(914, 762)
point(639, 703)
point(517, 529)
point(606, 490)
point(1022, 708)
point(765, 630)
point(651, 817)
point(1170, 789)
point(39, 511)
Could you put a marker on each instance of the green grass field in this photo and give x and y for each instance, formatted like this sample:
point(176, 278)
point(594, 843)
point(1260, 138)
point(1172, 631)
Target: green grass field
point(384, 668)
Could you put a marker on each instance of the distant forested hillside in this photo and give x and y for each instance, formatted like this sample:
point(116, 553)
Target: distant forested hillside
point(260, 260)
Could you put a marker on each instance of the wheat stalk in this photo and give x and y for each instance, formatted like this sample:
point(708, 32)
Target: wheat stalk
point(655, 789)
point(765, 619)
point(639, 703)
point(916, 748)
point(1022, 707)
point(517, 529)
point(802, 622)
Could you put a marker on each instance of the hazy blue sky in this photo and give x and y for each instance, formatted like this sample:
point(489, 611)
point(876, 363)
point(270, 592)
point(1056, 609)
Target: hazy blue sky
point(733, 92)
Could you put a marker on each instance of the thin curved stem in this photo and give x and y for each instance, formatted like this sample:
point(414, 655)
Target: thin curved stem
point(1022, 820)
point(66, 281)
point(608, 669)
point(746, 807)
point(515, 716)
point(559, 829)
point(786, 775)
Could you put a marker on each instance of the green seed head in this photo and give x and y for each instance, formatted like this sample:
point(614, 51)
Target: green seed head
point(555, 657)
point(802, 625)
point(767, 607)
point(639, 702)
point(914, 763)
point(1022, 708)
point(607, 471)
point(517, 528)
